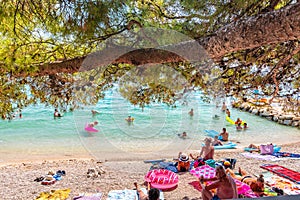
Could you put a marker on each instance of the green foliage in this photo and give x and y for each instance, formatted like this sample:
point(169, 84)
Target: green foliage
point(33, 33)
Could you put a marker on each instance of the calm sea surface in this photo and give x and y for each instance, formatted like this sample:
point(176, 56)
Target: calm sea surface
point(153, 133)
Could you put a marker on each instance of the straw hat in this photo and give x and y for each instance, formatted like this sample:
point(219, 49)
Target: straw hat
point(184, 157)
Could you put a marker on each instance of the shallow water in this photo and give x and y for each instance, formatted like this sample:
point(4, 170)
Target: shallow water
point(153, 133)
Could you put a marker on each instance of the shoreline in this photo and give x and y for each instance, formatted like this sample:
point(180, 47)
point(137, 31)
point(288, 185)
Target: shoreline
point(125, 156)
point(118, 175)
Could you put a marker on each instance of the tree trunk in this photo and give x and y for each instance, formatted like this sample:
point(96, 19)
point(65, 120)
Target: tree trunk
point(268, 28)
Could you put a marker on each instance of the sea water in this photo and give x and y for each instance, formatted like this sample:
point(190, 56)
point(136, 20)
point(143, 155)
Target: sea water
point(153, 133)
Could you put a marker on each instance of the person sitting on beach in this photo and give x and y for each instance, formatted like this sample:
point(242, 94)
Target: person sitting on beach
point(224, 107)
point(228, 112)
point(183, 162)
point(183, 135)
point(129, 119)
point(238, 121)
point(245, 126)
point(153, 193)
point(224, 134)
point(207, 152)
point(56, 113)
point(216, 142)
point(191, 113)
point(93, 124)
point(225, 185)
point(256, 184)
point(239, 127)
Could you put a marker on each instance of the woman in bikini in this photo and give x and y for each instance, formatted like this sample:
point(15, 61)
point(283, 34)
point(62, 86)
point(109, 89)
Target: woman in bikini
point(256, 184)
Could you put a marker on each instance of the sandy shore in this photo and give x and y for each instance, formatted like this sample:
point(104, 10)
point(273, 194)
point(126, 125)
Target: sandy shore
point(18, 179)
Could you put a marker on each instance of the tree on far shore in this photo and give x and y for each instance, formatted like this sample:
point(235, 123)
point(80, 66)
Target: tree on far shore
point(252, 44)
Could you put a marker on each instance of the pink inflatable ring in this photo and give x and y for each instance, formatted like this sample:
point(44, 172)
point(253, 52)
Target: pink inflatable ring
point(162, 179)
point(90, 129)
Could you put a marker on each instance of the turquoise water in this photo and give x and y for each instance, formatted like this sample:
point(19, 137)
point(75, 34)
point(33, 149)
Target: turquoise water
point(153, 133)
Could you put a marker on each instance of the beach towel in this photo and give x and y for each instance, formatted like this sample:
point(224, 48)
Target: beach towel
point(128, 194)
point(286, 154)
point(261, 157)
point(172, 166)
point(288, 187)
point(54, 194)
point(96, 196)
point(209, 172)
point(283, 172)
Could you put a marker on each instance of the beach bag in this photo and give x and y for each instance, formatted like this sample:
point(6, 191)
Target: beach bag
point(199, 162)
point(266, 149)
point(211, 163)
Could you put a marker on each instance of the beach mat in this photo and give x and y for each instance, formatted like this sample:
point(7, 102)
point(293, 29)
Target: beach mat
point(210, 172)
point(274, 181)
point(261, 157)
point(283, 172)
point(90, 196)
point(286, 154)
point(61, 194)
point(128, 194)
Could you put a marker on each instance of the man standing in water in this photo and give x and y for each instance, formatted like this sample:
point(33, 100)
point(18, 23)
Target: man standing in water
point(224, 107)
point(224, 134)
point(191, 113)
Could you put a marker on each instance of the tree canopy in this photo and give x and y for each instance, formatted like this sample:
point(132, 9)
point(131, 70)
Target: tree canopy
point(66, 53)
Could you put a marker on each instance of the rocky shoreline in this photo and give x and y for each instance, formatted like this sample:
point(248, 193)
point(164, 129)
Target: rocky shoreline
point(273, 112)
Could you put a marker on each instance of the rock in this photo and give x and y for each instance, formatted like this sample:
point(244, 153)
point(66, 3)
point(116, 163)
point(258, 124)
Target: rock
point(254, 111)
point(296, 118)
point(275, 118)
point(295, 123)
point(269, 118)
point(287, 122)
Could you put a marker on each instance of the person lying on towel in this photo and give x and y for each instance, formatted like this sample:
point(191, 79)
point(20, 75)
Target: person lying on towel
point(256, 184)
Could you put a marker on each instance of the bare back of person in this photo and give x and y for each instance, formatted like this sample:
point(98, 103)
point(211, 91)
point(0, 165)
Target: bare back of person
point(226, 189)
point(208, 152)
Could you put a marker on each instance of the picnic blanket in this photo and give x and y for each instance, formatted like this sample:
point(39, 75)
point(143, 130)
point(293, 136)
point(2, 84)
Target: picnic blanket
point(128, 194)
point(283, 172)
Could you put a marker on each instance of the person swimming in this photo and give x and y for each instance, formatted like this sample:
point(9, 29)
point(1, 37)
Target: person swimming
point(56, 113)
point(183, 135)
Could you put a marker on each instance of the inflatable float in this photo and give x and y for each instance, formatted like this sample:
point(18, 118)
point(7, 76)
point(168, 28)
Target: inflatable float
point(229, 145)
point(211, 133)
point(161, 179)
point(90, 129)
point(233, 122)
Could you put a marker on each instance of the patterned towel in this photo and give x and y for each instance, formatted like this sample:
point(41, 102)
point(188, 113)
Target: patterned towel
point(96, 196)
point(128, 194)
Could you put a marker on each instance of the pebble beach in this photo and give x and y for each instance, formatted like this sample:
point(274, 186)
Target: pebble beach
point(18, 178)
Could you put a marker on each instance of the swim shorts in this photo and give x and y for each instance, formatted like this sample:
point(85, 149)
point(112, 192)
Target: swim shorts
point(215, 197)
